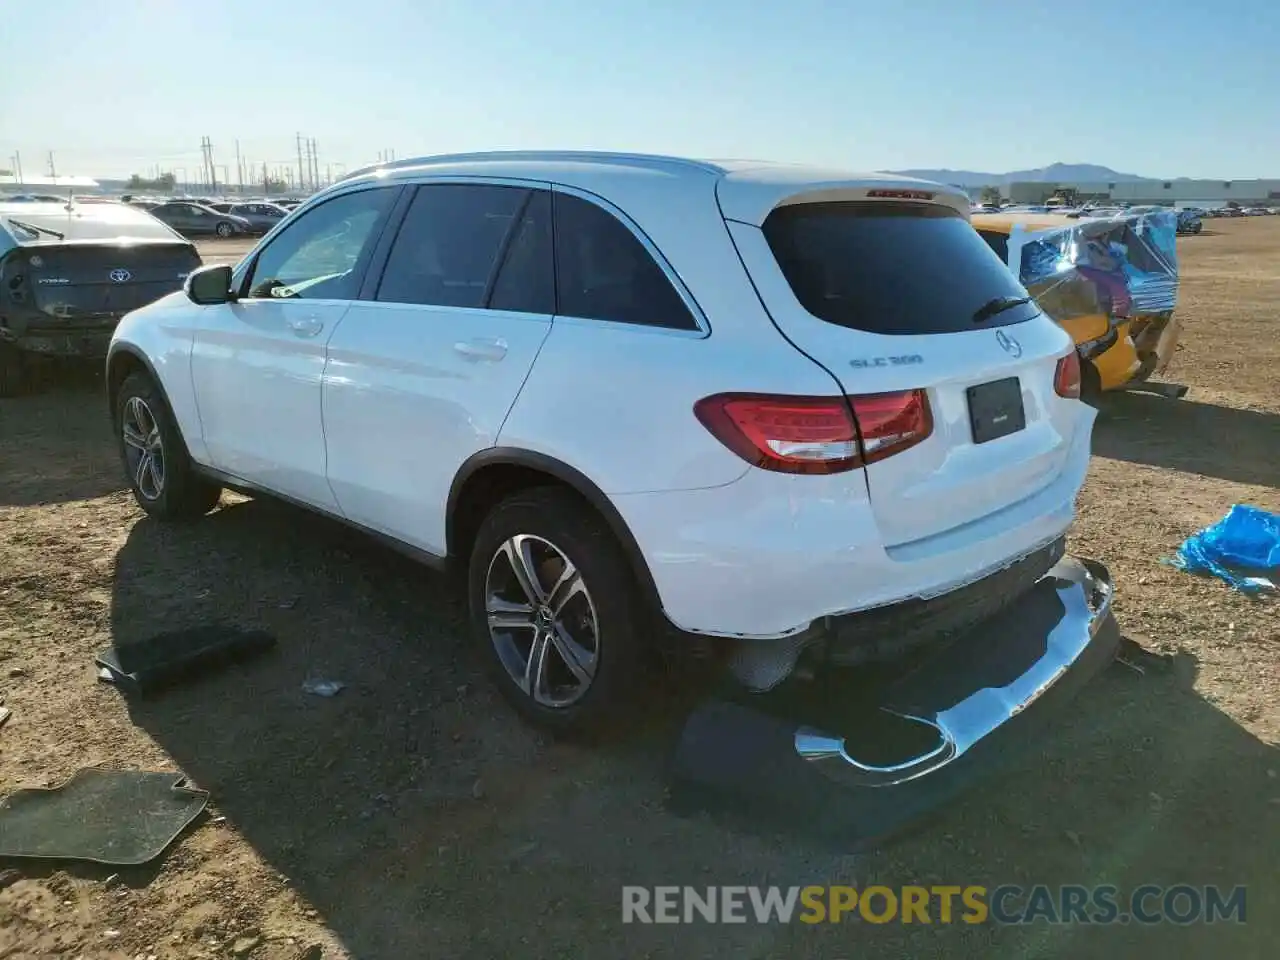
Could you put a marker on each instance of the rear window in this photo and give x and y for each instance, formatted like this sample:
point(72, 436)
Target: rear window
point(998, 242)
point(894, 268)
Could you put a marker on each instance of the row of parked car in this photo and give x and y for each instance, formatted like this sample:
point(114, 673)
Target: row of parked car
point(209, 217)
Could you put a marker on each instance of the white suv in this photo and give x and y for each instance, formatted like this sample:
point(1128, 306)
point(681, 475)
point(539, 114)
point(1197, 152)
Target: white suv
point(756, 399)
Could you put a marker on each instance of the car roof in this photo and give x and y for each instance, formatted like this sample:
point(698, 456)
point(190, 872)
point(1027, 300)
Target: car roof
point(748, 190)
point(83, 222)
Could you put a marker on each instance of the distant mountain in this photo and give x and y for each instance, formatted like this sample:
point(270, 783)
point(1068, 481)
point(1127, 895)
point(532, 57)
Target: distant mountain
point(1055, 172)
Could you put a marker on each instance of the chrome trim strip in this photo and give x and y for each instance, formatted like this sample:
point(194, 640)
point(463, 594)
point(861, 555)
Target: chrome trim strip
point(1085, 594)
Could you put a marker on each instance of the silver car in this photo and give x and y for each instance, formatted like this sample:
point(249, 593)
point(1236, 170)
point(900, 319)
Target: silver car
point(261, 216)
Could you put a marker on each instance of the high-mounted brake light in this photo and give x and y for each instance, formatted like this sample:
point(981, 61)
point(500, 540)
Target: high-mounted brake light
point(1066, 378)
point(816, 434)
point(900, 194)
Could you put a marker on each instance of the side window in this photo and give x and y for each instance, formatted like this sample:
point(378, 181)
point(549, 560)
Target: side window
point(526, 281)
point(449, 244)
point(317, 257)
point(194, 211)
point(603, 272)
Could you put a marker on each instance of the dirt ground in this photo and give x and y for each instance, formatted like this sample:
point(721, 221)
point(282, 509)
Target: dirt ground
point(414, 816)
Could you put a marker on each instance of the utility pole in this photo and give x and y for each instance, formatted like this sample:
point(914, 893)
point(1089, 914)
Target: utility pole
point(53, 171)
point(300, 174)
point(239, 169)
point(206, 148)
point(17, 166)
point(315, 164)
point(266, 180)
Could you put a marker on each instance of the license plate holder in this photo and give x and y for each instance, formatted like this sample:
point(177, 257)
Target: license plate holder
point(995, 409)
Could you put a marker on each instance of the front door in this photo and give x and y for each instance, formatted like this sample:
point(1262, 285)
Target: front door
point(423, 374)
point(257, 363)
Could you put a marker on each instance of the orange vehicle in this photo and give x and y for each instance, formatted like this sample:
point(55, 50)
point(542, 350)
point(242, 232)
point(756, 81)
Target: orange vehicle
point(1109, 282)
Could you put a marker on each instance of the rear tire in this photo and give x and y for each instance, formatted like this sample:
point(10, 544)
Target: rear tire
point(224, 230)
point(13, 371)
point(163, 479)
point(547, 576)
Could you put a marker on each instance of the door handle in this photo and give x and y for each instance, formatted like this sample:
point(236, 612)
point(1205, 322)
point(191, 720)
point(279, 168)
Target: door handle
point(306, 326)
point(481, 349)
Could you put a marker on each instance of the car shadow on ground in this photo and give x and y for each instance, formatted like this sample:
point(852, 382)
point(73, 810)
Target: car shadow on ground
point(420, 817)
point(1203, 438)
point(56, 440)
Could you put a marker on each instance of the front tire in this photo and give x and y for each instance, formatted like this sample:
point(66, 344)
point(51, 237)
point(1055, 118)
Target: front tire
point(161, 474)
point(224, 230)
point(555, 613)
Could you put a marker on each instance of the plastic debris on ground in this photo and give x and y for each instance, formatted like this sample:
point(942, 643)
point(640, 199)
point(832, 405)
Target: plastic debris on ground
point(1238, 549)
point(323, 688)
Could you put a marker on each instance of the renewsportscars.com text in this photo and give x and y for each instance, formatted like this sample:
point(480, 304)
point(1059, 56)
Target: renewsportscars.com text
point(1007, 904)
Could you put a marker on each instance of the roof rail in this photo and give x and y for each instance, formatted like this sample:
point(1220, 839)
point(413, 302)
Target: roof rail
point(547, 155)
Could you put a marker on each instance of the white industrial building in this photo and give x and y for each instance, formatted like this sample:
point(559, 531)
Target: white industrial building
point(1208, 193)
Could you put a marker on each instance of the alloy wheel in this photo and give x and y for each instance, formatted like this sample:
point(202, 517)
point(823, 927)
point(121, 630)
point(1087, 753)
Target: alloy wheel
point(542, 621)
point(143, 448)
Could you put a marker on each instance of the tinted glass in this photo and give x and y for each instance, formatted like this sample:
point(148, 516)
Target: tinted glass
point(318, 256)
point(526, 282)
point(896, 268)
point(603, 272)
point(998, 242)
point(449, 244)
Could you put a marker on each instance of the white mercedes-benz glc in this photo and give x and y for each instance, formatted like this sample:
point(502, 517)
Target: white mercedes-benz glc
point(785, 407)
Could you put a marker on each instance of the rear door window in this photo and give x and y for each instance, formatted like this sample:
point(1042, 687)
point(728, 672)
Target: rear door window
point(604, 272)
point(449, 244)
point(892, 268)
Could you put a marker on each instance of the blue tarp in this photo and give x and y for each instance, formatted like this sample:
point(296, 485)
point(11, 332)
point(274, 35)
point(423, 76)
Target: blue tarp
point(1238, 548)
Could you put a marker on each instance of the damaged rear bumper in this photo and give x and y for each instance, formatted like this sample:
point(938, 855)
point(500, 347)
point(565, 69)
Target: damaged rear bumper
point(974, 687)
point(950, 717)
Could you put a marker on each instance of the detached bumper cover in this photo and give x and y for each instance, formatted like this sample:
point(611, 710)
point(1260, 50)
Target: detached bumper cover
point(970, 690)
point(967, 706)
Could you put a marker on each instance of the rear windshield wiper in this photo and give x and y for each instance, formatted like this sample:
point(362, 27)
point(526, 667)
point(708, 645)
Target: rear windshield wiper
point(998, 305)
point(34, 229)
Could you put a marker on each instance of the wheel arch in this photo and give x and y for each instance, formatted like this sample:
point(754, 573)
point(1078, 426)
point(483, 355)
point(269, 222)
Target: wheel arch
point(122, 360)
point(491, 474)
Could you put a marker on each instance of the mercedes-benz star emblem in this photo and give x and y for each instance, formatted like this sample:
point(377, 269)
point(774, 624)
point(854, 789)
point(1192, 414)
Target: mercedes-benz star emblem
point(119, 275)
point(1008, 344)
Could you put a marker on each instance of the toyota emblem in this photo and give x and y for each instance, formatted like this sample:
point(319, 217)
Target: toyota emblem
point(1009, 345)
point(120, 275)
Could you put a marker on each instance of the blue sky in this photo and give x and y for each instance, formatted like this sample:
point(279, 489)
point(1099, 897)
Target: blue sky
point(1178, 88)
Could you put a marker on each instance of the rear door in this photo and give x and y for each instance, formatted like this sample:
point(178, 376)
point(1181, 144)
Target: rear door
point(423, 371)
point(950, 375)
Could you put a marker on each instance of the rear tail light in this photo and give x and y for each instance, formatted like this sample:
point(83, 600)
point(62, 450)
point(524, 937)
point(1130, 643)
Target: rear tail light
point(816, 434)
point(892, 422)
point(1066, 378)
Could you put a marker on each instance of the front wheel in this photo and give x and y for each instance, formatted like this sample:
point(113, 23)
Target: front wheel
point(225, 230)
point(161, 474)
point(555, 612)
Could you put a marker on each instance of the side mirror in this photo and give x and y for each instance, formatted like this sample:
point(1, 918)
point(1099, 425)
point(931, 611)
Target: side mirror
point(210, 285)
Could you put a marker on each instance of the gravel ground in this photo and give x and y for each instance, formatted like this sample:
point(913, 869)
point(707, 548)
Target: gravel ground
point(413, 816)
